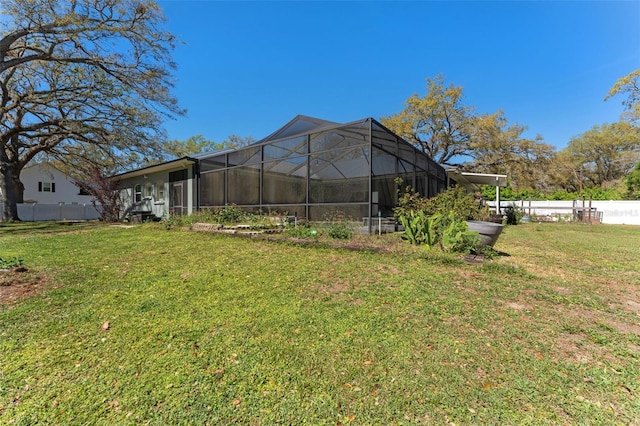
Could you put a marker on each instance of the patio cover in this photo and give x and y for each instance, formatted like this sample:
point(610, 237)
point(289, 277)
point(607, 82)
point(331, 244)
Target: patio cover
point(473, 181)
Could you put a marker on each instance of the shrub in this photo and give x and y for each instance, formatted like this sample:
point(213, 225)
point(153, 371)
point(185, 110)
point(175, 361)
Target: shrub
point(447, 232)
point(229, 214)
point(338, 225)
point(340, 230)
point(457, 201)
point(10, 262)
point(464, 206)
point(440, 221)
point(171, 221)
point(301, 230)
point(513, 214)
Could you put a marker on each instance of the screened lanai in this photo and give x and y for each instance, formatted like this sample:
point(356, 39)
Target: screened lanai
point(312, 168)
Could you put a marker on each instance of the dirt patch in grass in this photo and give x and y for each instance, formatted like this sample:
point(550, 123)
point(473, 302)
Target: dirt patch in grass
point(582, 348)
point(18, 283)
point(576, 348)
point(518, 306)
point(623, 296)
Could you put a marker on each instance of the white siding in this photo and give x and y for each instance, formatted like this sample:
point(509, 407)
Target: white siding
point(155, 194)
point(65, 191)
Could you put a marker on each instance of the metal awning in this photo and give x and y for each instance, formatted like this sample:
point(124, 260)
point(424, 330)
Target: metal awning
point(474, 181)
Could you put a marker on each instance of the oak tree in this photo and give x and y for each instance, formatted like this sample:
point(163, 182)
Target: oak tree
point(198, 144)
point(438, 124)
point(499, 147)
point(77, 74)
point(628, 85)
point(632, 182)
point(605, 153)
point(452, 133)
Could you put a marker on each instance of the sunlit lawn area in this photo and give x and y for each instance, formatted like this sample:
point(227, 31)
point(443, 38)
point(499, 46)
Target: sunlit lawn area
point(146, 326)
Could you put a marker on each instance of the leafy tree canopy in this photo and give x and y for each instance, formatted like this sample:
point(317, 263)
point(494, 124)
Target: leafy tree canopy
point(193, 145)
point(628, 86)
point(605, 153)
point(632, 181)
point(438, 123)
point(450, 132)
point(81, 77)
point(198, 144)
point(499, 147)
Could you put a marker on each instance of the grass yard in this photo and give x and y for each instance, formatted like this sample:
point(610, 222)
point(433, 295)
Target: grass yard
point(139, 325)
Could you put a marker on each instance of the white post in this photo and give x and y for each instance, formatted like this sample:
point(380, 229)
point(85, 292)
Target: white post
point(497, 195)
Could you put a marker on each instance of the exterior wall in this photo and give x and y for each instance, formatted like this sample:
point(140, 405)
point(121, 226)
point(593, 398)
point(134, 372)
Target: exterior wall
point(153, 198)
point(65, 191)
point(613, 212)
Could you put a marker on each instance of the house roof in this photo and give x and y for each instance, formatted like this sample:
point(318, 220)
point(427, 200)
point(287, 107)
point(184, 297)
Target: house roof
point(156, 168)
point(299, 125)
point(339, 167)
point(475, 180)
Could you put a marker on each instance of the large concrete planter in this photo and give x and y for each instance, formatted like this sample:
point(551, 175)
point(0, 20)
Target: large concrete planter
point(488, 231)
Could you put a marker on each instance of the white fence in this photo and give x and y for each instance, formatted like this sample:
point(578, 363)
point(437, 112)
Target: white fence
point(611, 212)
point(34, 212)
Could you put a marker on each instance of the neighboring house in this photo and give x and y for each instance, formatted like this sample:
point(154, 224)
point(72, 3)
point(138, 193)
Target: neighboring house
point(44, 184)
point(308, 168)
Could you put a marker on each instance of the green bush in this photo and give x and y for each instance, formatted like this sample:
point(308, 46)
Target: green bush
point(340, 230)
point(338, 225)
point(456, 200)
point(10, 262)
point(446, 232)
point(226, 215)
point(229, 214)
point(513, 214)
point(171, 221)
point(440, 221)
point(455, 236)
point(464, 206)
point(302, 229)
point(418, 227)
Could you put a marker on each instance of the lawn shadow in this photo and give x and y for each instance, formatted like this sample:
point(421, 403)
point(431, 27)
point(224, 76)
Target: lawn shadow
point(51, 227)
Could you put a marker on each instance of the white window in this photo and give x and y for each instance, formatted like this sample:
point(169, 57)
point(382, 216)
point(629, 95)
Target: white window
point(160, 190)
point(46, 187)
point(137, 193)
point(148, 190)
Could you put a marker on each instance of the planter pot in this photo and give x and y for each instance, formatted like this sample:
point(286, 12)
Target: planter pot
point(488, 231)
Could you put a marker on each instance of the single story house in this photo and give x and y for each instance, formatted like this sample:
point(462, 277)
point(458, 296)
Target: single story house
point(308, 168)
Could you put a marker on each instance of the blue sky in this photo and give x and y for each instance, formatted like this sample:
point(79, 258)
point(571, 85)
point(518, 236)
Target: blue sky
point(246, 68)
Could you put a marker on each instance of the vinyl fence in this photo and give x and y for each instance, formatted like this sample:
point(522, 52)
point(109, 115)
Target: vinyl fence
point(41, 212)
point(609, 212)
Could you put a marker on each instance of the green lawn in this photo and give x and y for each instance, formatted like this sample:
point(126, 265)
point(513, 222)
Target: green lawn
point(212, 329)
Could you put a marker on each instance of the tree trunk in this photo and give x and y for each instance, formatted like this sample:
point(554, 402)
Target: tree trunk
point(18, 186)
point(8, 193)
